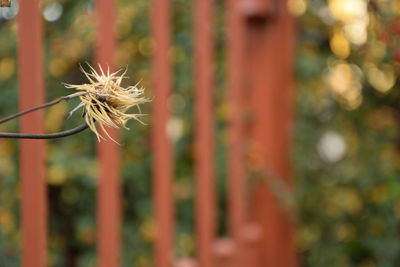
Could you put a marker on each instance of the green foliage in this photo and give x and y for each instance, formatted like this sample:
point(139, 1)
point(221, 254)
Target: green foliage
point(349, 205)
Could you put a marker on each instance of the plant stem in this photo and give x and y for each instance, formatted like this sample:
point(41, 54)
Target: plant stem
point(75, 130)
point(51, 103)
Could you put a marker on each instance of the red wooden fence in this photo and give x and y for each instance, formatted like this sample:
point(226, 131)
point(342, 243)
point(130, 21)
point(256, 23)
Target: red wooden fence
point(269, 82)
point(162, 156)
point(236, 164)
point(259, 79)
point(204, 130)
point(109, 197)
point(32, 156)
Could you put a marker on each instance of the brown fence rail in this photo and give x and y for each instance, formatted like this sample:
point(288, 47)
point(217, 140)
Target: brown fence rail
point(259, 77)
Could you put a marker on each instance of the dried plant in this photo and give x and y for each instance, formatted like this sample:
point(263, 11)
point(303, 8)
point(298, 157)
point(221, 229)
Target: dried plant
point(107, 102)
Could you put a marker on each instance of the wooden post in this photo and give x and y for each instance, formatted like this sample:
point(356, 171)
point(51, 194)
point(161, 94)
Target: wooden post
point(236, 169)
point(269, 56)
point(32, 153)
point(109, 192)
point(252, 238)
point(162, 151)
point(224, 250)
point(204, 132)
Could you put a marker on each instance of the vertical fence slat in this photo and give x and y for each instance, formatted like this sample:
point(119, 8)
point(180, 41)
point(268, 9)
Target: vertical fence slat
point(268, 71)
point(204, 134)
point(108, 199)
point(32, 156)
point(252, 238)
point(223, 251)
point(162, 151)
point(236, 171)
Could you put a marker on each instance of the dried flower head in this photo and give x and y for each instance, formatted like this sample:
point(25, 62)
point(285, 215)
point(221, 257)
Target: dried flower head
point(107, 102)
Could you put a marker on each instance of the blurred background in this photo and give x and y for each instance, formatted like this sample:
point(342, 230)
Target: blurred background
point(345, 142)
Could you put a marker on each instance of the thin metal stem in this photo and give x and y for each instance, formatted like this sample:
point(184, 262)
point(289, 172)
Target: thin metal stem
point(51, 103)
point(75, 130)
